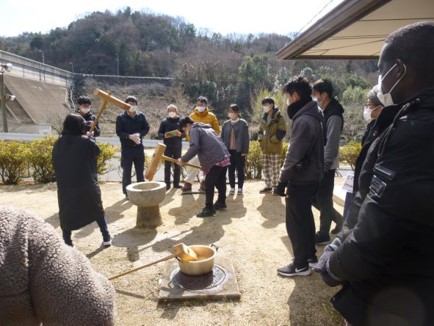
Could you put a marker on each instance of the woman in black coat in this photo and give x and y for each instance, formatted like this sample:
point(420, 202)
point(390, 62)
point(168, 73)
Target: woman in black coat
point(79, 195)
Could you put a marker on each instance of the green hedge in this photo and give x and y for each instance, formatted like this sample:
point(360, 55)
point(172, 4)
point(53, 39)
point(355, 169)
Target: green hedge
point(349, 153)
point(17, 157)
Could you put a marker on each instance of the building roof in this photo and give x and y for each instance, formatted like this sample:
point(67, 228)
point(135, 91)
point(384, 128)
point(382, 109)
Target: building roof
point(356, 29)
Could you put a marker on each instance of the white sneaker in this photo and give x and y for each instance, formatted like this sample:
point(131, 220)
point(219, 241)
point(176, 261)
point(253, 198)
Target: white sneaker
point(240, 191)
point(232, 191)
point(107, 243)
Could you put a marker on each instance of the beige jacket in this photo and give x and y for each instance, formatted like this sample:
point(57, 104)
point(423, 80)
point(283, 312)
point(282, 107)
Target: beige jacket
point(44, 281)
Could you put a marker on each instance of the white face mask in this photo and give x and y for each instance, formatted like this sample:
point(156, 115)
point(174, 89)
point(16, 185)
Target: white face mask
point(367, 114)
point(85, 110)
point(133, 109)
point(232, 116)
point(172, 114)
point(266, 109)
point(201, 108)
point(387, 99)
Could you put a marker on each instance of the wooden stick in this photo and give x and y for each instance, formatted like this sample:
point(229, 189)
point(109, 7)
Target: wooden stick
point(171, 159)
point(98, 115)
point(143, 266)
point(183, 252)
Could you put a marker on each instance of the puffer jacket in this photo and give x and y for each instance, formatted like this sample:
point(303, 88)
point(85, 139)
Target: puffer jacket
point(206, 117)
point(272, 132)
point(44, 281)
point(387, 261)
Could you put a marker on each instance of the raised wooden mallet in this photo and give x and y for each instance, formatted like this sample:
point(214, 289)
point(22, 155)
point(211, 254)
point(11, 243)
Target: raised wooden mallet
point(156, 158)
point(181, 251)
point(107, 98)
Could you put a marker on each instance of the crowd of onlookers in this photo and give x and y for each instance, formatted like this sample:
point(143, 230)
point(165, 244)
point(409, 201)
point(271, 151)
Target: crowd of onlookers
point(379, 252)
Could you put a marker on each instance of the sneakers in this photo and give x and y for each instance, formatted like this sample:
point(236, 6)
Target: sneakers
point(177, 186)
point(240, 191)
point(220, 206)
point(312, 261)
point(186, 187)
point(321, 239)
point(266, 190)
point(107, 242)
point(206, 212)
point(292, 270)
point(232, 191)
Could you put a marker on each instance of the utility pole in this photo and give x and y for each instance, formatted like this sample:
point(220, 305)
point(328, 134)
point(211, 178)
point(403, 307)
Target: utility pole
point(117, 63)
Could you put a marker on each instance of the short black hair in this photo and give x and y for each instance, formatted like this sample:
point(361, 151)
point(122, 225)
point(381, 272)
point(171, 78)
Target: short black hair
point(74, 125)
point(185, 121)
point(299, 85)
point(83, 100)
point(202, 99)
point(323, 86)
point(267, 100)
point(414, 45)
point(131, 99)
point(234, 107)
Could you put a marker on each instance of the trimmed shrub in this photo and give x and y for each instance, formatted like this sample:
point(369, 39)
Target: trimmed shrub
point(107, 152)
point(40, 159)
point(349, 153)
point(253, 168)
point(13, 161)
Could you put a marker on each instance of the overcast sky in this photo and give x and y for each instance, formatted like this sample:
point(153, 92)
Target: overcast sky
point(222, 16)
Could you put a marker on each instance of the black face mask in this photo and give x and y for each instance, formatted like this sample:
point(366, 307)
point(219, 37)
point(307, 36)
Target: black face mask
point(296, 106)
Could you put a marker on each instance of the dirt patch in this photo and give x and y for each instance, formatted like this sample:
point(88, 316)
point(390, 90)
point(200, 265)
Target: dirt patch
point(251, 231)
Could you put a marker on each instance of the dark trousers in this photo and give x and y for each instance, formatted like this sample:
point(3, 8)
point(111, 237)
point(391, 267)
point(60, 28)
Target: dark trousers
point(102, 223)
point(174, 152)
point(299, 221)
point(130, 156)
point(216, 177)
point(237, 163)
point(324, 202)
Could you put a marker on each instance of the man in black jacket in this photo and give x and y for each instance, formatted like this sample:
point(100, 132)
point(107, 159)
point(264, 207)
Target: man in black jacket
point(84, 104)
point(301, 173)
point(131, 127)
point(169, 132)
point(386, 262)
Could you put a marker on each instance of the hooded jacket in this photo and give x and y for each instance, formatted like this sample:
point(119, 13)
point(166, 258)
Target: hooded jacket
point(387, 261)
point(44, 281)
point(206, 145)
point(271, 132)
point(333, 125)
point(304, 158)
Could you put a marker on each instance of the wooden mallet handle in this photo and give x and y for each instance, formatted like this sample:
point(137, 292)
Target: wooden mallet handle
point(98, 115)
point(171, 159)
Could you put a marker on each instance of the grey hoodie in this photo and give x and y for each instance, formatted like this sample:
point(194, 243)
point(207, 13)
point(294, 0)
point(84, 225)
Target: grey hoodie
point(305, 156)
point(206, 145)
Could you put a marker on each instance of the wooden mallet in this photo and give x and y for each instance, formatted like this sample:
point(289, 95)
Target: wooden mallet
point(181, 251)
point(106, 98)
point(156, 158)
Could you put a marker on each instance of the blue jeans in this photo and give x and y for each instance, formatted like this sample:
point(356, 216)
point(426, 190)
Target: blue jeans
point(102, 223)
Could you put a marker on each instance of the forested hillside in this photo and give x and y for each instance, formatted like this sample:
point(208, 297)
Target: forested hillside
point(227, 69)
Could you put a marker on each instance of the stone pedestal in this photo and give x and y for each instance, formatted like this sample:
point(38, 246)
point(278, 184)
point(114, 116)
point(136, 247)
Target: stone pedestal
point(147, 196)
point(148, 216)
